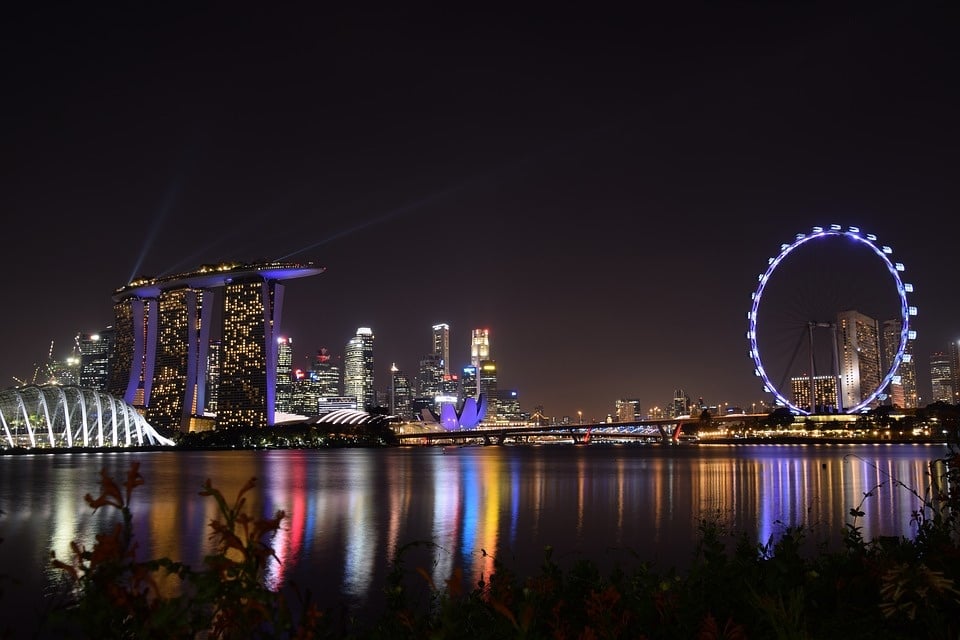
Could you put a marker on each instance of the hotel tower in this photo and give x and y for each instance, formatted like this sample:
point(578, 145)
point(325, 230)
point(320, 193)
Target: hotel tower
point(162, 340)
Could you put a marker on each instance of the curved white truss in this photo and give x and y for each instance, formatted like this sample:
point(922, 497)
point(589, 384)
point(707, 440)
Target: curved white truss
point(346, 416)
point(54, 416)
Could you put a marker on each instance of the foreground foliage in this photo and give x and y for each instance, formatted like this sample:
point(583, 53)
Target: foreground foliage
point(888, 588)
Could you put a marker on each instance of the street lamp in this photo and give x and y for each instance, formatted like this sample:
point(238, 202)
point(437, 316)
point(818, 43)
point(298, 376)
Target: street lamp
point(580, 417)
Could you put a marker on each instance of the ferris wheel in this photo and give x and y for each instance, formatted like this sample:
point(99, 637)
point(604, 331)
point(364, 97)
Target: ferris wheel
point(800, 328)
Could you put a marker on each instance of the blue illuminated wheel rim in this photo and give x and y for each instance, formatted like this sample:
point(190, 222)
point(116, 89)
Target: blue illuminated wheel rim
point(894, 269)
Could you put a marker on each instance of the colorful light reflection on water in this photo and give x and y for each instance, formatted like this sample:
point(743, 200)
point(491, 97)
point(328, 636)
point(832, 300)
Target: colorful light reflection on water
point(349, 513)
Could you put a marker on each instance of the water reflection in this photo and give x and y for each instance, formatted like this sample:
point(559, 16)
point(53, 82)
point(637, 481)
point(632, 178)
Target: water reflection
point(349, 512)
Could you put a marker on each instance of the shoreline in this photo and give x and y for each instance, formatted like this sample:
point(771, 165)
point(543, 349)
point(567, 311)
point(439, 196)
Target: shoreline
point(783, 440)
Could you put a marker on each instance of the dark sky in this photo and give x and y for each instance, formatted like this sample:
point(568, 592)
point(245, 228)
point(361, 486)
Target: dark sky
point(600, 189)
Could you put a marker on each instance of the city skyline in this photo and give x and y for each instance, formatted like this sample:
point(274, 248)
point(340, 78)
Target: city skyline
point(601, 191)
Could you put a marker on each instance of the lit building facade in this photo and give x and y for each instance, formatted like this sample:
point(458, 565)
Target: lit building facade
point(285, 374)
point(479, 346)
point(953, 354)
point(401, 394)
point(469, 382)
point(825, 392)
point(858, 342)
point(177, 389)
point(508, 406)
point(487, 385)
point(95, 351)
point(213, 377)
point(941, 385)
point(322, 381)
point(429, 376)
point(131, 371)
point(902, 390)
point(441, 346)
point(628, 410)
point(680, 405)
point(358, 369)
point(161, 352)
point(248, 370)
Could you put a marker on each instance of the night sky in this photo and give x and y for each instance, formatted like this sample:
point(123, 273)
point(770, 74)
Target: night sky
point(599, 189)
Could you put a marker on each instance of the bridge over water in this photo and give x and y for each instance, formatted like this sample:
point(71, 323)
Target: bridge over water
point(668, 430)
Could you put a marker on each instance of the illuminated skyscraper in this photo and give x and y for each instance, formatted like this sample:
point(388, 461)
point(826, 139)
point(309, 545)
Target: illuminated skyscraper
point(319, 384)
point(908, 378)
point(903, 387)
point(858, 342)
point(213, 377)
point(131, 371)
point(628, 410)
point(441, 346)
point(160, 355)
point(487, 385)
point(479, 346)
point(248, 370)
point(825, 387)
point(954, 354)
point(681, 404)
point(508, 406)
point(401, 395)
point(95, 351)
point(468, 382)
point(284, 374)
point(177, 390)
point(429, 376)
point(941, 386)
point(358, 369)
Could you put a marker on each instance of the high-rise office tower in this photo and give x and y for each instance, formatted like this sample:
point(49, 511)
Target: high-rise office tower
point(429, 376)
point(441, 346)
point(468, 382)
point(681, 404)
point(902, 390)
point(95, 351)
point(508, 406)
point(487, 384)
point(162, 330)
point(285, 374)
point(325, 372)
point(358, 369)
point(479, 346)
point(628, 410)
point(858, 338)
point(953, 352)
point(908, 378)
point(400, 394)
point(941, 385)
point(303, 393)
point(319, 383)
point(825, 389)
point(450, 386)
point(213, 377)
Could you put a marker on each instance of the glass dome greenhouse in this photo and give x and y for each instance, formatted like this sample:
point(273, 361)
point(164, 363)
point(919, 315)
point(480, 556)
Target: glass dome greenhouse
point(68, 416)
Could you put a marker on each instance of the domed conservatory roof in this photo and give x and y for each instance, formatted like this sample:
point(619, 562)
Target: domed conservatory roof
point(67, 416)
